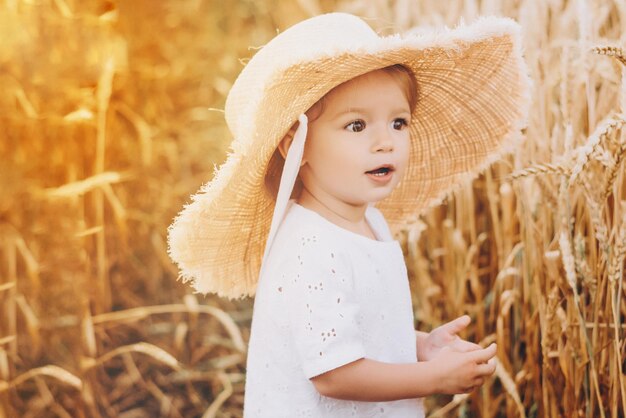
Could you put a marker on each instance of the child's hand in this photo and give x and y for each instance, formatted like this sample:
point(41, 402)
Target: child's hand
point(445, 336)
point(462, 372)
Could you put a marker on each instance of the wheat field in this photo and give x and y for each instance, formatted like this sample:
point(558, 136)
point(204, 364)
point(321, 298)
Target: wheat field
point(110, 117)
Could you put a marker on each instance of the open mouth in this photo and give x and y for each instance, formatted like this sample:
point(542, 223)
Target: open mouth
point(381, 171)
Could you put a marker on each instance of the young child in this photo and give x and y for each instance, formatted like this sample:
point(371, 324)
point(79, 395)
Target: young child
point(329, 119)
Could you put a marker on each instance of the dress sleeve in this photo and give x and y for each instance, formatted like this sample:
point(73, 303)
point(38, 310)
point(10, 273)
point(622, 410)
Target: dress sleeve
point(323, 308)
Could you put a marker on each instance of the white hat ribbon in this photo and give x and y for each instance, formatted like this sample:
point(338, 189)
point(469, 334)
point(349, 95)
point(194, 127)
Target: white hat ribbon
point(287, 181)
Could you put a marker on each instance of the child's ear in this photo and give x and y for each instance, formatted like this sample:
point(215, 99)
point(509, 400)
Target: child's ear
point(285, 143)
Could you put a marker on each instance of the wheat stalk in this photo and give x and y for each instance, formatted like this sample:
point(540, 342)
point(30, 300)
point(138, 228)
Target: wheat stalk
point(53, 371)
point(612, 51)
point(510, 387)
point(150, 350)
point(602, 131)
point(144, 311)
point(213, 409)
point(540, 169)
point(619, 253)
point(614, 168)
point(599, 226)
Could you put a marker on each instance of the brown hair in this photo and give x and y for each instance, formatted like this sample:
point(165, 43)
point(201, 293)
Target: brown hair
point(401, 74)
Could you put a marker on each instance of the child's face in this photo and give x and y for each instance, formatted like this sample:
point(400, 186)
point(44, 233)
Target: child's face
point(363, 126)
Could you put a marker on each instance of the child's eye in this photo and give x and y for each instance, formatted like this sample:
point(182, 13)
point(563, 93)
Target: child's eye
point(399, 124)
point(356, 126)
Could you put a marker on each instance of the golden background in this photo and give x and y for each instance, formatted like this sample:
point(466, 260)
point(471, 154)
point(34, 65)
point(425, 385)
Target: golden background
point(110, 119)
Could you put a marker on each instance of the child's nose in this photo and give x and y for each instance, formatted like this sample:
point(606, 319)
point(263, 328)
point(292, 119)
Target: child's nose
point(383, 141)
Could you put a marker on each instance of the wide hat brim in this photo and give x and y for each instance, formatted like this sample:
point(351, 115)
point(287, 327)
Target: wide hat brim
point(473, 101)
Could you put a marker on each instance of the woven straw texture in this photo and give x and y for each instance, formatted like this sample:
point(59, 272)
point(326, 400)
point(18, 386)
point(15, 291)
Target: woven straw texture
point(474, 94)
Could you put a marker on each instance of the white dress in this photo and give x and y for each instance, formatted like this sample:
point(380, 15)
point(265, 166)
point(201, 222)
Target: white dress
point(328, 297)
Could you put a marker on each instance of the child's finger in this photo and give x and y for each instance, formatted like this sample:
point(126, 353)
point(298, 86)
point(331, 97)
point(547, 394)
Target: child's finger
point(485, 354)
point(457, 325)
point(486, 369)
point(464, 346)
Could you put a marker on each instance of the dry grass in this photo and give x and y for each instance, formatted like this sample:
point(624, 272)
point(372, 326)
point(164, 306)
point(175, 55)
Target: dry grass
point(110, 120)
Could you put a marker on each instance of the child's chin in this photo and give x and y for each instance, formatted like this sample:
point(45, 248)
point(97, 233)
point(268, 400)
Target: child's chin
point(377, 197)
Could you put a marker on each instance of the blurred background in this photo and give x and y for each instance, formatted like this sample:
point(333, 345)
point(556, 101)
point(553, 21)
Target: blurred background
point(111, 117)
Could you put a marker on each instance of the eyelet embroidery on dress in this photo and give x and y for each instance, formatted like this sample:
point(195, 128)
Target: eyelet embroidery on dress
point(327, 334)
point(316, 287)
point(312, 238)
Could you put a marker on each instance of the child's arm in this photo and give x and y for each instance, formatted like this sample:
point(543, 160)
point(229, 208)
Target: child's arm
point(449, 372)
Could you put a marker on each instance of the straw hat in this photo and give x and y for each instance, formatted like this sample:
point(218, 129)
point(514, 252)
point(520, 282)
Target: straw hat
point(473, 101)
